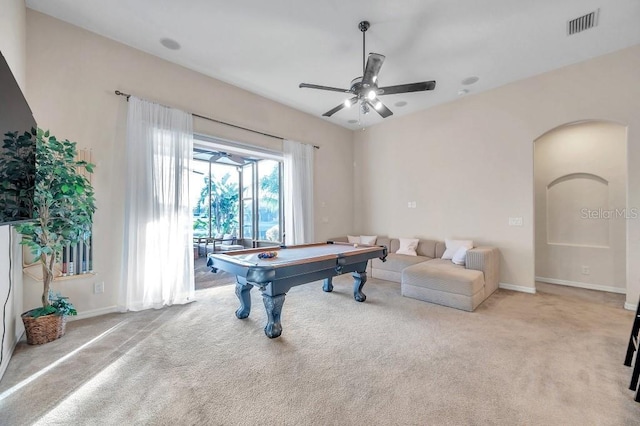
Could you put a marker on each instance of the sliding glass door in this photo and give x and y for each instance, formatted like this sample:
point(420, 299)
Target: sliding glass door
point(269, 199)
point(262, 201)
point(215, 198)
point(248, 200)
point(238, 196)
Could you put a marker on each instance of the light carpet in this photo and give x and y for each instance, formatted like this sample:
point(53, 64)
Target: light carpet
point(554, 358)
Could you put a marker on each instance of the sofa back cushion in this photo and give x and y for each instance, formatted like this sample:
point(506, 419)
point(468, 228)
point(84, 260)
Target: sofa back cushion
point(440, 249)
point(384, 241)
point(394, 245)
point(425, 248)
point(339, 239)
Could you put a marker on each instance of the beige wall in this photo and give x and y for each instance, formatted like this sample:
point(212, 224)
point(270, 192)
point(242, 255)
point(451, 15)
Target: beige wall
point(13, 37)
point(72, 75)
point(580, 200)
point(12, 46)
point(469, 164)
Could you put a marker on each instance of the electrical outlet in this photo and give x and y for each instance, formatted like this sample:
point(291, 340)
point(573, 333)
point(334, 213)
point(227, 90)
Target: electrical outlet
point(585, 270)
point(98, 287)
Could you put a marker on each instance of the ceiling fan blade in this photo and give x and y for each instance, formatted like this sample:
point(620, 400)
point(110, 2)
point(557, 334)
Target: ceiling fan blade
point(374, 63)
point(329, 113)
point(381, 109)
point(315, 86)
point(406, 88)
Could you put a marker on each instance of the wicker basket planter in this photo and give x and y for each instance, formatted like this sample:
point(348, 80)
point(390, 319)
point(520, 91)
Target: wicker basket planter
point(43, 329)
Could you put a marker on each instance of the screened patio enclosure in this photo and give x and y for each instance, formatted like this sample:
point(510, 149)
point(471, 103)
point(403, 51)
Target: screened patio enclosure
point(236, 201)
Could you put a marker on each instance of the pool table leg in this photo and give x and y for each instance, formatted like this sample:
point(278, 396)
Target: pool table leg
point(328, 285)
point(243, 291)
point(359, 279)
point(273, 305)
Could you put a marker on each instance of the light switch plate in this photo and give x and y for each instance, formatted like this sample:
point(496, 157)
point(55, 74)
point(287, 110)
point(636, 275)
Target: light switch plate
point(515, 221)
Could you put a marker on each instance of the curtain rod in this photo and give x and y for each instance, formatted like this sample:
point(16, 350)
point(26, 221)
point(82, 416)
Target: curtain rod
point(127, 95)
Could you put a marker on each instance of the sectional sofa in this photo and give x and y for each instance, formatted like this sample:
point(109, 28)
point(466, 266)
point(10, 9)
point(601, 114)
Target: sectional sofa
point(428, 277)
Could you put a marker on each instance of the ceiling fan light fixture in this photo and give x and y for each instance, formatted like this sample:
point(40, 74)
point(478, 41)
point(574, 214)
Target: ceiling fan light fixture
point(365, 89)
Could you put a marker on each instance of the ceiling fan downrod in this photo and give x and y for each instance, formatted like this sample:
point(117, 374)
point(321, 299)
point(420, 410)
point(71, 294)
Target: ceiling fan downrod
point(364, 26)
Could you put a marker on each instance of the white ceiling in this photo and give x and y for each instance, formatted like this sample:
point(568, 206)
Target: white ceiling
point(269, 47)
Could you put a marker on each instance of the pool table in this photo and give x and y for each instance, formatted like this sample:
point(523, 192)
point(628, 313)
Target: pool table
point(292, 266)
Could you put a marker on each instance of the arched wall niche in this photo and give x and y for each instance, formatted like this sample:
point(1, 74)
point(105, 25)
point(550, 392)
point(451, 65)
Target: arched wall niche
point(570, 199)
point(580, 178)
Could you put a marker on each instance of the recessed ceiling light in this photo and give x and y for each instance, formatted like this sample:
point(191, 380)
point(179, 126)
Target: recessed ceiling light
point(352, 121)
point(170, 43)
point(400, 104)
point(470, 80)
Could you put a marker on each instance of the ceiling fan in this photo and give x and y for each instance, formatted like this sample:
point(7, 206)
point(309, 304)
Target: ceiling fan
point(365, 88)
point(218, 157)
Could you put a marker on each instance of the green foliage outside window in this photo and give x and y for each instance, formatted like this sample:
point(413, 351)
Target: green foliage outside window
point(224, 206)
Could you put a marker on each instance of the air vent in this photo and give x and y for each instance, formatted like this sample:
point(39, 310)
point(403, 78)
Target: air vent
point(583, 23)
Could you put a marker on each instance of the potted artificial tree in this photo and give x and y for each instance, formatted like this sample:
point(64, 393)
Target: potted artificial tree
point(63, 207)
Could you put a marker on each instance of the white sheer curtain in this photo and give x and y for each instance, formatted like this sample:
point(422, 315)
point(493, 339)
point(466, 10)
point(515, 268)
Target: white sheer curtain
point(298, 192)
point(158, 234)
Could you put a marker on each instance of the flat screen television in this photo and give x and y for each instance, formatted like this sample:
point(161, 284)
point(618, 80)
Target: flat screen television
point(17, 150)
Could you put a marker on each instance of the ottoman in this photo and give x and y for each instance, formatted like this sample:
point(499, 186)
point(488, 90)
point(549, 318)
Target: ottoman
point(442, 282)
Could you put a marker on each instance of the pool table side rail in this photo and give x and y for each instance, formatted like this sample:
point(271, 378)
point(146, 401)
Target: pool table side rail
point(233, 257)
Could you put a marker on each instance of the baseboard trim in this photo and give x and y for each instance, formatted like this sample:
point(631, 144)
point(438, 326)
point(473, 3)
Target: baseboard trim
point(630, 307)
point(598, 287)
point(7, 358)
point(519, 288)
point(93, 313)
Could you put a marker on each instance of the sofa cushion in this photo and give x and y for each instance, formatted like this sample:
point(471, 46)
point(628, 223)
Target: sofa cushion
point(454, 245)
point(368, 240)
point(425, 248)
point(442, 275)
point(397, 262)
point(408, 246)
point(460, 256)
